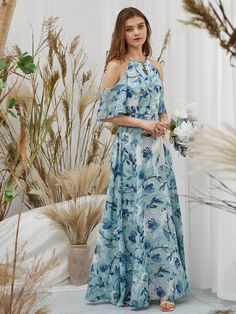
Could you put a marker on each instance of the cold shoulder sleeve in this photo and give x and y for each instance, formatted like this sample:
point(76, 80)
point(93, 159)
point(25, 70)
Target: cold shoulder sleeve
point(113, 100)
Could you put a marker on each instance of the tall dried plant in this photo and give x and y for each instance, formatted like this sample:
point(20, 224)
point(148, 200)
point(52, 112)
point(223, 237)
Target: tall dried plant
point(213, 18)
point(69, 95)
point(33, 288)
point(25, 300)
point(56, 106)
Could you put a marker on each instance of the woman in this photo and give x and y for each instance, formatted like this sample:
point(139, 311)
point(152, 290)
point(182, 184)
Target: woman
point(139, 255)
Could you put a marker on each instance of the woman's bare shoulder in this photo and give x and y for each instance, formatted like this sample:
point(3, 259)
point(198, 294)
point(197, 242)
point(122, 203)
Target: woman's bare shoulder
point(114, 71)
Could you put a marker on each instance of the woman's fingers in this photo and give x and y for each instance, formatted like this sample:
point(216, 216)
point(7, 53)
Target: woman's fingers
point(165, 125)
point(156, 128)
point(160, 131)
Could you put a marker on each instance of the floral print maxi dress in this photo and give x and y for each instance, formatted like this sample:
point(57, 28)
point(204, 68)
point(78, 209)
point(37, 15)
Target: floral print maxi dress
point(139, 255)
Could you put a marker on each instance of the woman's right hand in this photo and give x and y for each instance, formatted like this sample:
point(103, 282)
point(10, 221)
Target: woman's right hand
point(154, 127)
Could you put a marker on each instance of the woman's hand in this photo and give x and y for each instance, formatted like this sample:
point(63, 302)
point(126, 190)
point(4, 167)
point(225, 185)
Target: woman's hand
point(155, 127)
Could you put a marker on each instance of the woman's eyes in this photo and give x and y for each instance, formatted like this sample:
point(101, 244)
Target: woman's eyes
point(131, 29)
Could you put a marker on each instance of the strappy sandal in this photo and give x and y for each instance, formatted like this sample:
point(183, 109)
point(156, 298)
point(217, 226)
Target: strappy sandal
point(167, 302)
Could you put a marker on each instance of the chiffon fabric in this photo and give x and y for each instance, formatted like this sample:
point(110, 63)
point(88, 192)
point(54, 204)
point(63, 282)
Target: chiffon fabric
point(139, 254)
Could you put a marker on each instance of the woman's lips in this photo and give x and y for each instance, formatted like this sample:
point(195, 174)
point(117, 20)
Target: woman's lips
point(137, 38)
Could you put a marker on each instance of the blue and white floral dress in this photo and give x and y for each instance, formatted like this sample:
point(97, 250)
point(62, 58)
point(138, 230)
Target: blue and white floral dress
point(139, 255)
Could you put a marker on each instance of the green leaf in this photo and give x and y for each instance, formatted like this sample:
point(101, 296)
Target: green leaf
point(172, 134)
point(9, 191)
point(172, 124)
point(12, 113)
point(1, 84)
point(12, 103)
point(26, 63)
point(29, 68)
point(3, 63)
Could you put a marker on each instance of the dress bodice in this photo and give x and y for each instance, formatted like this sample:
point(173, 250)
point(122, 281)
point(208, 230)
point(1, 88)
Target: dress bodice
point(138, 93)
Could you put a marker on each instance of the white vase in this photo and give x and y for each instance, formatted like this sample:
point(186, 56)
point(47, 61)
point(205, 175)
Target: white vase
point(79, 263)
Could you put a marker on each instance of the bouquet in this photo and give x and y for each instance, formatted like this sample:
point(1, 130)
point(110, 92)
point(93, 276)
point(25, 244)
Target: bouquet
point(183, 125)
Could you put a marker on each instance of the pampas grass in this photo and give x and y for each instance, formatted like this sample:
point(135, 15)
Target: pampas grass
point(213, 18)
point(85, 180)
point(78, 220)
point(25, 299)
point(164, 46)
point(217, 147)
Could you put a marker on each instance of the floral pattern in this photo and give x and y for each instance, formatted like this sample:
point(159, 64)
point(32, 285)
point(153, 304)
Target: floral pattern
point(139, 255)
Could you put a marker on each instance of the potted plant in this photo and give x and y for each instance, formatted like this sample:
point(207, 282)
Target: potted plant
point(77, 220)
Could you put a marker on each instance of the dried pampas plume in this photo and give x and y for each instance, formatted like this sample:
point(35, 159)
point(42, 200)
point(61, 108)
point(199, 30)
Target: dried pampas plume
point(86, 180)
point(78, 220)
point(213, 18)
point(88, 96)
point(217, 147)
point(164, 46)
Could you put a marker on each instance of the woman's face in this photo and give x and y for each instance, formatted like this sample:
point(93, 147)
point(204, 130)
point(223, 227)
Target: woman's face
point(135, 31)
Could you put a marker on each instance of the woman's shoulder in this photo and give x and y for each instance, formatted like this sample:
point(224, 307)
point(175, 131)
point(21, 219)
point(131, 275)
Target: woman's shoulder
point(114, 71)
point(157, 65)
point(116, 65)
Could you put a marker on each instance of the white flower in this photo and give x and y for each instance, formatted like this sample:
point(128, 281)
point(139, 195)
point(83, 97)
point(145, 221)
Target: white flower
point(191, 111)
point(180, 112)
point(185, 111)
point(185, 131)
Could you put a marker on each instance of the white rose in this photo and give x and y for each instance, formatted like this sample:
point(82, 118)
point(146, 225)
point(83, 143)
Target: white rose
point(180, 112)
point(185, 131)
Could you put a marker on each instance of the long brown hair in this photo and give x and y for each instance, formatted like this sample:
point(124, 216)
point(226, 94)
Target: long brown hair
point(118, 47)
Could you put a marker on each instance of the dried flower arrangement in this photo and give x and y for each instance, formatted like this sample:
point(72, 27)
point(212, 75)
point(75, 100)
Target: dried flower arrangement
point(84, 211)
point(78, 220)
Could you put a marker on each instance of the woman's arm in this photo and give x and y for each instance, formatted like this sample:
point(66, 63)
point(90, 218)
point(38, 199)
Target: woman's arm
point(163, 116)
point(155, 127)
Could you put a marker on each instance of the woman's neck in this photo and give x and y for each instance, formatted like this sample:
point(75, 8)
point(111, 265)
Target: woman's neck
point(137, 55)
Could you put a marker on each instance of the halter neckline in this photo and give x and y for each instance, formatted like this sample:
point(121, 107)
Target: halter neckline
point(133, 59)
